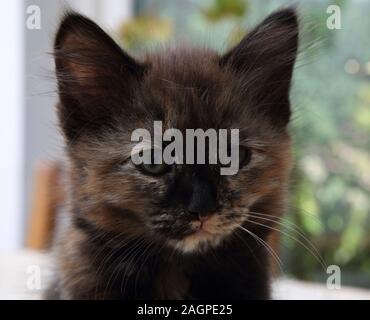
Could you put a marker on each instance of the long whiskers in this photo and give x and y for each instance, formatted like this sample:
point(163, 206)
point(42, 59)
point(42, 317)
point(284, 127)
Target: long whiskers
point(121, 259)
point(317, 256)
point(266, 246)
point(133, 257)
point(291, 226)
point(108, 258)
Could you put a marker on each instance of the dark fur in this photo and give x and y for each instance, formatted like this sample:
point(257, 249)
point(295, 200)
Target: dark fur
point(126, 230)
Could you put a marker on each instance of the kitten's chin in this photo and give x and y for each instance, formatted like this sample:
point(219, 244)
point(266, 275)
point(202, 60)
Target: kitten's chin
point(199, 241)
point(206, 235)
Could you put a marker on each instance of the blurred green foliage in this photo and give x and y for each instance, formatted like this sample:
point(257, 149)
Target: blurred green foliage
point(144, 31)
point(221, 8)
point(330, 190)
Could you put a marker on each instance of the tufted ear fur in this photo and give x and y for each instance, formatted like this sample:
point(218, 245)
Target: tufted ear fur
point(264, 60)
point(91, 70)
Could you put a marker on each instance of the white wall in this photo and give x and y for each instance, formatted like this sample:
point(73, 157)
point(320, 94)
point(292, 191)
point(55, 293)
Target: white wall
point(11, 126)
point(108, 13)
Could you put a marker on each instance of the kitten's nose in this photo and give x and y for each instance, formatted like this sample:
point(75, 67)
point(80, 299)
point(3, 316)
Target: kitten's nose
point(200, 216)
point(203, 200)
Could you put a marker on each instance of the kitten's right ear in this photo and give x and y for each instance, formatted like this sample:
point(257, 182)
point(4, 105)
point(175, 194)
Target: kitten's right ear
point(265, 58)
point(95, 76)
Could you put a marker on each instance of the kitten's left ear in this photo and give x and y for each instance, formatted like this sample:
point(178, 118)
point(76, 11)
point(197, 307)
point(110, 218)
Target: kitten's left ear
point(95, 76)
point(264, 61)
point(85, 52)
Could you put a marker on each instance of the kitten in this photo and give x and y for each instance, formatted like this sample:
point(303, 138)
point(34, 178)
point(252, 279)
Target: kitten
point(181, 231)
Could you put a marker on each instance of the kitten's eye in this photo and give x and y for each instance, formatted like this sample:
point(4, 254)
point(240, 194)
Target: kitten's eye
point(152, 168)
point(245, 156)
point(155, 169)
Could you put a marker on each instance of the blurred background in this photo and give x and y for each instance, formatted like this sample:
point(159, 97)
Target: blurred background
point(329, 198)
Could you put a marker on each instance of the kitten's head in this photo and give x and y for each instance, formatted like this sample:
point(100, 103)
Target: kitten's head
point(105, 95)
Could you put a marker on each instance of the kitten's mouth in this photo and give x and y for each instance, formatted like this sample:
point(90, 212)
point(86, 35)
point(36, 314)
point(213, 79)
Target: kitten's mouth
point(205, 234)
point(201, 227)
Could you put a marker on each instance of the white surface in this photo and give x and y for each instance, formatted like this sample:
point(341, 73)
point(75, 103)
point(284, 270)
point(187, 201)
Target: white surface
point(12, 23)
point(17, 270)
point(289, 289)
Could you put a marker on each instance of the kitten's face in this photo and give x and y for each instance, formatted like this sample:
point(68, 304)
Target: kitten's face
point(105, 95)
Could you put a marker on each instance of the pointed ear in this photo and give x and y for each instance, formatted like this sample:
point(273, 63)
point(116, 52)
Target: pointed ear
point(264, 61)
point(95, 76)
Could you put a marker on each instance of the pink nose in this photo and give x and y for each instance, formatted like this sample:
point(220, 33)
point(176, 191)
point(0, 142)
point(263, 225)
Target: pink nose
point(201, 216)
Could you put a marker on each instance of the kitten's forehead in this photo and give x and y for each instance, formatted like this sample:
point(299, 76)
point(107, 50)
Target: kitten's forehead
point(193, 91)
point(184, 63)
point(190, 87)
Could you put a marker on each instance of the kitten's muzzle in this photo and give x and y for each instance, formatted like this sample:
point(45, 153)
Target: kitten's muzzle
point(203, 199)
